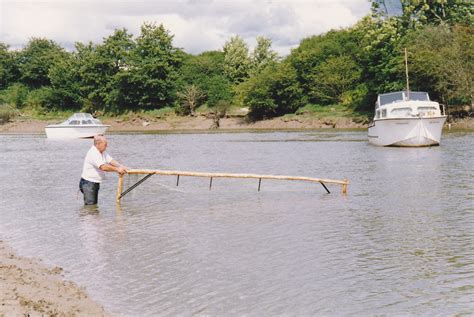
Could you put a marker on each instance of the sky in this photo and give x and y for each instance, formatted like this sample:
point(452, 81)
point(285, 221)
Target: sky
point(197, 25)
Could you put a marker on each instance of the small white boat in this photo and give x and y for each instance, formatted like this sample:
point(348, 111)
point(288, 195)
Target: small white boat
point(406, 118)
point(79, 125)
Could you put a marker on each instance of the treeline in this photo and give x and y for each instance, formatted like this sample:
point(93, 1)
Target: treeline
point(347, 67)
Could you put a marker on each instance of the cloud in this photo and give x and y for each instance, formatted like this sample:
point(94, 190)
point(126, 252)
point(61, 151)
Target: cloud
point(198, 25)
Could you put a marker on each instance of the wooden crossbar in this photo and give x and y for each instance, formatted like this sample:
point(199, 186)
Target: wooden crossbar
point(322, 181)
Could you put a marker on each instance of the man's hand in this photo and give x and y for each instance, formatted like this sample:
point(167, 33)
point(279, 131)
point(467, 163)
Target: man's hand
point(122, 169)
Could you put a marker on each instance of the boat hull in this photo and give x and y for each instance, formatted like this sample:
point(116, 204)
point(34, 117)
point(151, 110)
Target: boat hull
point(409, 132)
point(76, 132)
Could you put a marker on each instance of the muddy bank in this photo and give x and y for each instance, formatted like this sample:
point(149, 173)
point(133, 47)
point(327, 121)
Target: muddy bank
point(28, 288)
point(194, 123)
point(203, 123)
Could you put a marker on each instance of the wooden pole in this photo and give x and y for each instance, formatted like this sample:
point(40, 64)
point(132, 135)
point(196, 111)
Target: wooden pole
point(234, 175)
point(344, 186)
point(119, 188)
point(118, 196)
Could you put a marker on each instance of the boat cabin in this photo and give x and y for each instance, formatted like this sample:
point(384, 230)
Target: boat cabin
point(81, 119)
point(403, 104)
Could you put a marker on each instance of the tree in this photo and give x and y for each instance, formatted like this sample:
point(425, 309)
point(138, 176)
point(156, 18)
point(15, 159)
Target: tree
point(339, 48)
point(8, 69)
point(36, 59)
point(262, 55)
point(236, 59)
point(66, 83)
point(206, 71)
point(190, 98)
point(381, 51)
point(333, 78)
point(152, 75)
point(421, 12)
point(102, 68)
point(273, 92)
point(441, 62)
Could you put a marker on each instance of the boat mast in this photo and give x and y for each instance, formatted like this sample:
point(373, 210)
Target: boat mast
point(406, 72)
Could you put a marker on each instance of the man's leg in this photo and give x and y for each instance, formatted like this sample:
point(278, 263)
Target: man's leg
point(91, 192)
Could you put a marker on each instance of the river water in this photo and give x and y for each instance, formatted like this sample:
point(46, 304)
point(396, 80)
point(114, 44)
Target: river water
point(401, 242)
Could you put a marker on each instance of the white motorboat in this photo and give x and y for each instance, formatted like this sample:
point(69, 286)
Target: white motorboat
point(79, 125)
point(406, 118)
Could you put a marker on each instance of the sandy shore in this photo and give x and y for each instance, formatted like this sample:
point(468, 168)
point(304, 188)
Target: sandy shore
point(28, 288)
point(202, 123)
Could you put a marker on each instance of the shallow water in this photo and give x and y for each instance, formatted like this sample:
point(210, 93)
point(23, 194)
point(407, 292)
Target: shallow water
point(400, 242)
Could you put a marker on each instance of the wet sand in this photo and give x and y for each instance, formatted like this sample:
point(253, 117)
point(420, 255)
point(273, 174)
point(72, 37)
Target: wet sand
point(28, 288)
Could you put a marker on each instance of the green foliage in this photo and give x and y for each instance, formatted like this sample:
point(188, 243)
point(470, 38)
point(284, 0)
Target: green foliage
point(382, 55)
point(8, 67)
point(315, 58)
point(6, 113)
point(66, 83)
point(236, 59)
point(15, 95)
point(333, 78)
point(153, 72)
point(417, 13)
point(275, 91)
point(262, 55)
point(342, 69)
point(41, 98)
point(206, 71)
point(441, 60)
point(36, 59)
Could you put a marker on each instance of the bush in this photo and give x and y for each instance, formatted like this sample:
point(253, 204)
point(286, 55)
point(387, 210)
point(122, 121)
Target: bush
point(5, 114)
point(41, 98)
point(15, 95)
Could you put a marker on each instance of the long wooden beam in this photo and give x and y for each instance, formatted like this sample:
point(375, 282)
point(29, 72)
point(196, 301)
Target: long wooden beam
point(344, 182)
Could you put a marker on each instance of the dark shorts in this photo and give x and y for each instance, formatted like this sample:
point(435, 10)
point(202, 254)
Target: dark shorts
point(90, 191)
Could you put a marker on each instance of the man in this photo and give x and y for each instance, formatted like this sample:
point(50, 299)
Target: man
point(96, 163)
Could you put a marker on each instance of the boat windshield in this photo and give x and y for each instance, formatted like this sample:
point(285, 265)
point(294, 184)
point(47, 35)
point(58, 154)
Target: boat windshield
point(81, 118)
point(392, 97)
point(419, 96)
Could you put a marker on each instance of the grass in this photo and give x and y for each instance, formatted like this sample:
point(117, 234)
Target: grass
point(333, 111)
point(5, 114)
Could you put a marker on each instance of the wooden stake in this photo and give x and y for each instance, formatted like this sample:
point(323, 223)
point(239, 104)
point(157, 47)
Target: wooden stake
point(119, 189)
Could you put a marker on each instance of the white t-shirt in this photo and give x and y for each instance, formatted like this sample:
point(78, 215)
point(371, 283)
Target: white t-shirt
point(94, 159)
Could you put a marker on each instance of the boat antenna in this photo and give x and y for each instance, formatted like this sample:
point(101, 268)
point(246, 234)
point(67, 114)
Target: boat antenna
point(406, 72)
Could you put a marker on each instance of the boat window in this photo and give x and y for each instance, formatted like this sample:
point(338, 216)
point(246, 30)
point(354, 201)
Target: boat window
point(391, 98)
point(427, 111)
point(86, 121)
point(74, 122)
point(377, 114)
point(419, 96)
point(384, 113)
point(401, 112)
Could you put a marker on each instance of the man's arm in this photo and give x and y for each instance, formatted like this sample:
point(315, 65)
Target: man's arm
point(108, 167)
point(117, 164)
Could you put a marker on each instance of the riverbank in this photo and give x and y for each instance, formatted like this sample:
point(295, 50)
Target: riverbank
point(204, 123)
point(28, 288)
